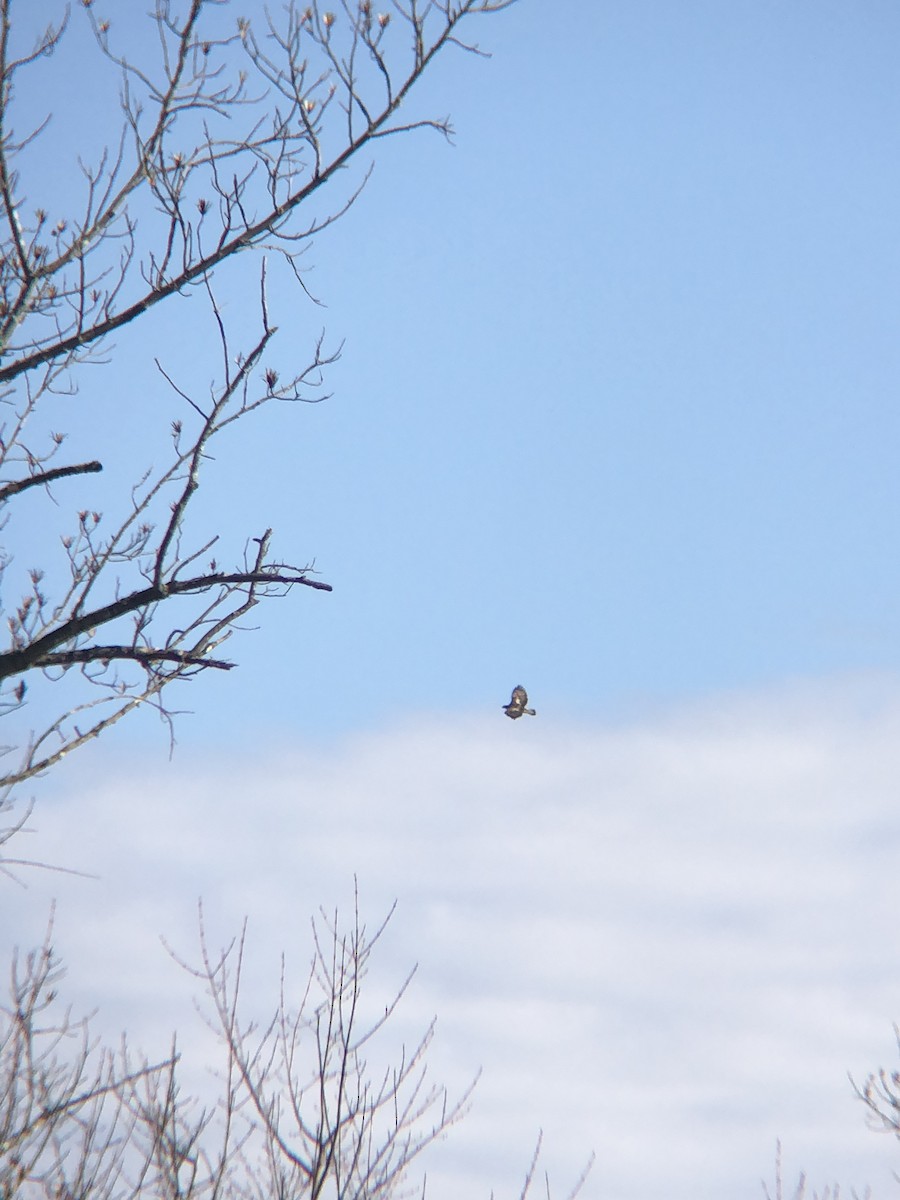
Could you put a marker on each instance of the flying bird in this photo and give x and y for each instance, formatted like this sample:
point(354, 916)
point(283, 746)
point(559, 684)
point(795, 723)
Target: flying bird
point(517, 703)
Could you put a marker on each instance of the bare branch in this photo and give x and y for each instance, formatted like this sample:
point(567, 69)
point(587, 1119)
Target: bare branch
point(108, 654)
point(42, 477)
point(222, 137)
point(13, 662)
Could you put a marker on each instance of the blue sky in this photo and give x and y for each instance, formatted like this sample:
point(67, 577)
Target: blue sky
point(615, 418)
point(616, 406)
point(615, 411)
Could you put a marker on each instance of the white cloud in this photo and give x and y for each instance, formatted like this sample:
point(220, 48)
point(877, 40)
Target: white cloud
point(667, 942)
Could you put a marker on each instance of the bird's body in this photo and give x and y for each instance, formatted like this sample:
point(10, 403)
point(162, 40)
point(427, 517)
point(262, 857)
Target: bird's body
point(517, 702)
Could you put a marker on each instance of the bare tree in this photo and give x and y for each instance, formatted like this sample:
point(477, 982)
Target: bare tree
point(233, 138)
point(800, 1192)
point(880, 1093)
point(296, 1112)
point(63, 1123)
point(298, 1109)
point(303, 1097)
